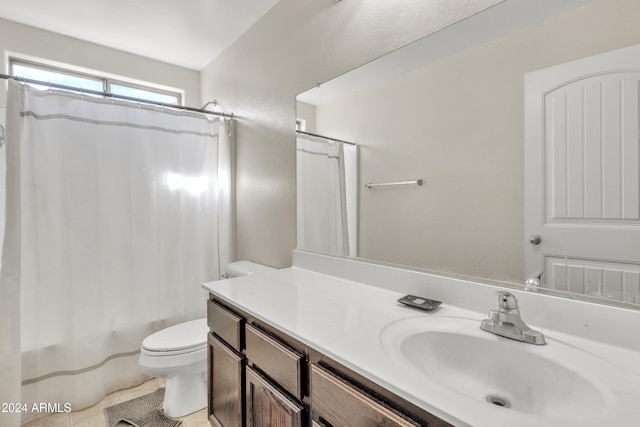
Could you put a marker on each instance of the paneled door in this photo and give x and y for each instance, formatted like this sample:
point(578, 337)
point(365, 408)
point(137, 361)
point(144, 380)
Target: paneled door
point(226, 384)
point(582, 197)
point(267, 406)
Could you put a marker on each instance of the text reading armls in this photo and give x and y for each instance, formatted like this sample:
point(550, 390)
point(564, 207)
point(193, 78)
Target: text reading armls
point(40, 407)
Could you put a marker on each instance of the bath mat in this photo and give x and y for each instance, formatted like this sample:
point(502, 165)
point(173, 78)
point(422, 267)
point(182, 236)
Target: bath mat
point(143, 411)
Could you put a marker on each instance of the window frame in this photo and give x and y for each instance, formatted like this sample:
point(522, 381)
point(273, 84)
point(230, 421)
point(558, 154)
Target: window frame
point(106, 80)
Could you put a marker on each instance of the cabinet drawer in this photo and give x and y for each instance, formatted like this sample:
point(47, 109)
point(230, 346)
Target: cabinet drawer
point(225, 324)
point(342, 404)
point(276, 360)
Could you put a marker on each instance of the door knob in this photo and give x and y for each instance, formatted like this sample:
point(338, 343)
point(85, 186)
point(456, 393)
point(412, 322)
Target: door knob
point(535, 239)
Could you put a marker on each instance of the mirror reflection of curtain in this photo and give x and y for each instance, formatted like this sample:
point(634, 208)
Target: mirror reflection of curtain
point(321, 196)
point(352, 181)
point(113, 222)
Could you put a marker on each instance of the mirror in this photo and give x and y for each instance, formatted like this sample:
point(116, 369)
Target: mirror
point(447, 110)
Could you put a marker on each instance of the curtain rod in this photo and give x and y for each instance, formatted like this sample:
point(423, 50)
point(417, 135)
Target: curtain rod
point(325, 137)
point(112, 95)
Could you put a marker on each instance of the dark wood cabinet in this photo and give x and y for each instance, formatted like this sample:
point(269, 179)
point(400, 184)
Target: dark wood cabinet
point(261, 377)
point(341, 404)
point(276, 360)
point(226, 324)
point(267, 406)
point(225, 384)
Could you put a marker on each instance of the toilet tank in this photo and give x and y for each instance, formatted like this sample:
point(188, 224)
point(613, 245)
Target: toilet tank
point(244, 268)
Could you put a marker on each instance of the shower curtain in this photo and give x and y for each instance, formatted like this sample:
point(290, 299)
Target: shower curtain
point(116, 213)
point(321, 196)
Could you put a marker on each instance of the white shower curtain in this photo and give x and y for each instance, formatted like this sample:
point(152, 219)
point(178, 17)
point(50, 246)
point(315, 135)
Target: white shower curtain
point(116, 213)
point(321, 196)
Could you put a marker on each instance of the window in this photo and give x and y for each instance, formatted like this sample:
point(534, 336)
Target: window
point(45, 73)
point(144, 93)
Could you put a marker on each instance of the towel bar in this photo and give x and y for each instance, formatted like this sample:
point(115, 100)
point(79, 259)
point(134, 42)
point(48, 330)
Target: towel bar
point(393, 184)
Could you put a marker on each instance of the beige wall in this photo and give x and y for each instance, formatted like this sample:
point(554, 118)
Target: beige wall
point(459, 125)
point(294, 46)
point(43, 45)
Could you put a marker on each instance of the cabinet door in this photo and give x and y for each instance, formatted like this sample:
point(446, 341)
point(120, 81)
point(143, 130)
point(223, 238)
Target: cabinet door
point(343, 405)
point(267, 406)
point(226, 384)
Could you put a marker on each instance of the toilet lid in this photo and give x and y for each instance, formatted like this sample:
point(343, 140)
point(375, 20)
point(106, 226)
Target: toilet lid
point(184, 336)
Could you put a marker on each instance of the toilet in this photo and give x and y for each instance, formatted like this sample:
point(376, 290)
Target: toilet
point(179, 354)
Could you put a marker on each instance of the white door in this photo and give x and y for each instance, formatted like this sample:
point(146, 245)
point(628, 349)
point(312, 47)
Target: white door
point(582, 193)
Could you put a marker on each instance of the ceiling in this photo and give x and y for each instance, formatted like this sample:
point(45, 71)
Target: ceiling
point(186, 33)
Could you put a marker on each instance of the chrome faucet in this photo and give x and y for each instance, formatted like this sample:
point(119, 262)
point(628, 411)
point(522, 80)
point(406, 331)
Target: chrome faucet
point(507, 323)
point(533, 282)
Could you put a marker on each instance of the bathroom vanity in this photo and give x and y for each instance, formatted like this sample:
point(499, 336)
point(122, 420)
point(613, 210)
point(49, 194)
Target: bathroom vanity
point(275, 379)
point(325, 343)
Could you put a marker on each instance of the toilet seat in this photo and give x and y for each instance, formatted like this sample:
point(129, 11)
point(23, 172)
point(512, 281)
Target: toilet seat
point(183, 338)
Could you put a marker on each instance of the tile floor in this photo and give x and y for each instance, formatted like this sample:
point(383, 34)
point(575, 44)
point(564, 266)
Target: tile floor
point(93, 416)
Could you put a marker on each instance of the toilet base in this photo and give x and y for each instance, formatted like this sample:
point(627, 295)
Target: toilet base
point(185, 394)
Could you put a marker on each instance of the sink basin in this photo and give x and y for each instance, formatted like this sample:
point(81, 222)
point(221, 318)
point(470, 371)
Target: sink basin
point(556, 381)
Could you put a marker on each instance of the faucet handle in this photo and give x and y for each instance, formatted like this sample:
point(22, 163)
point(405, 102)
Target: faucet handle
point(506, 300)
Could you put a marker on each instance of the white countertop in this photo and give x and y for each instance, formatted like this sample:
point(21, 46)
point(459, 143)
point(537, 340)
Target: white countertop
point(344, 320)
